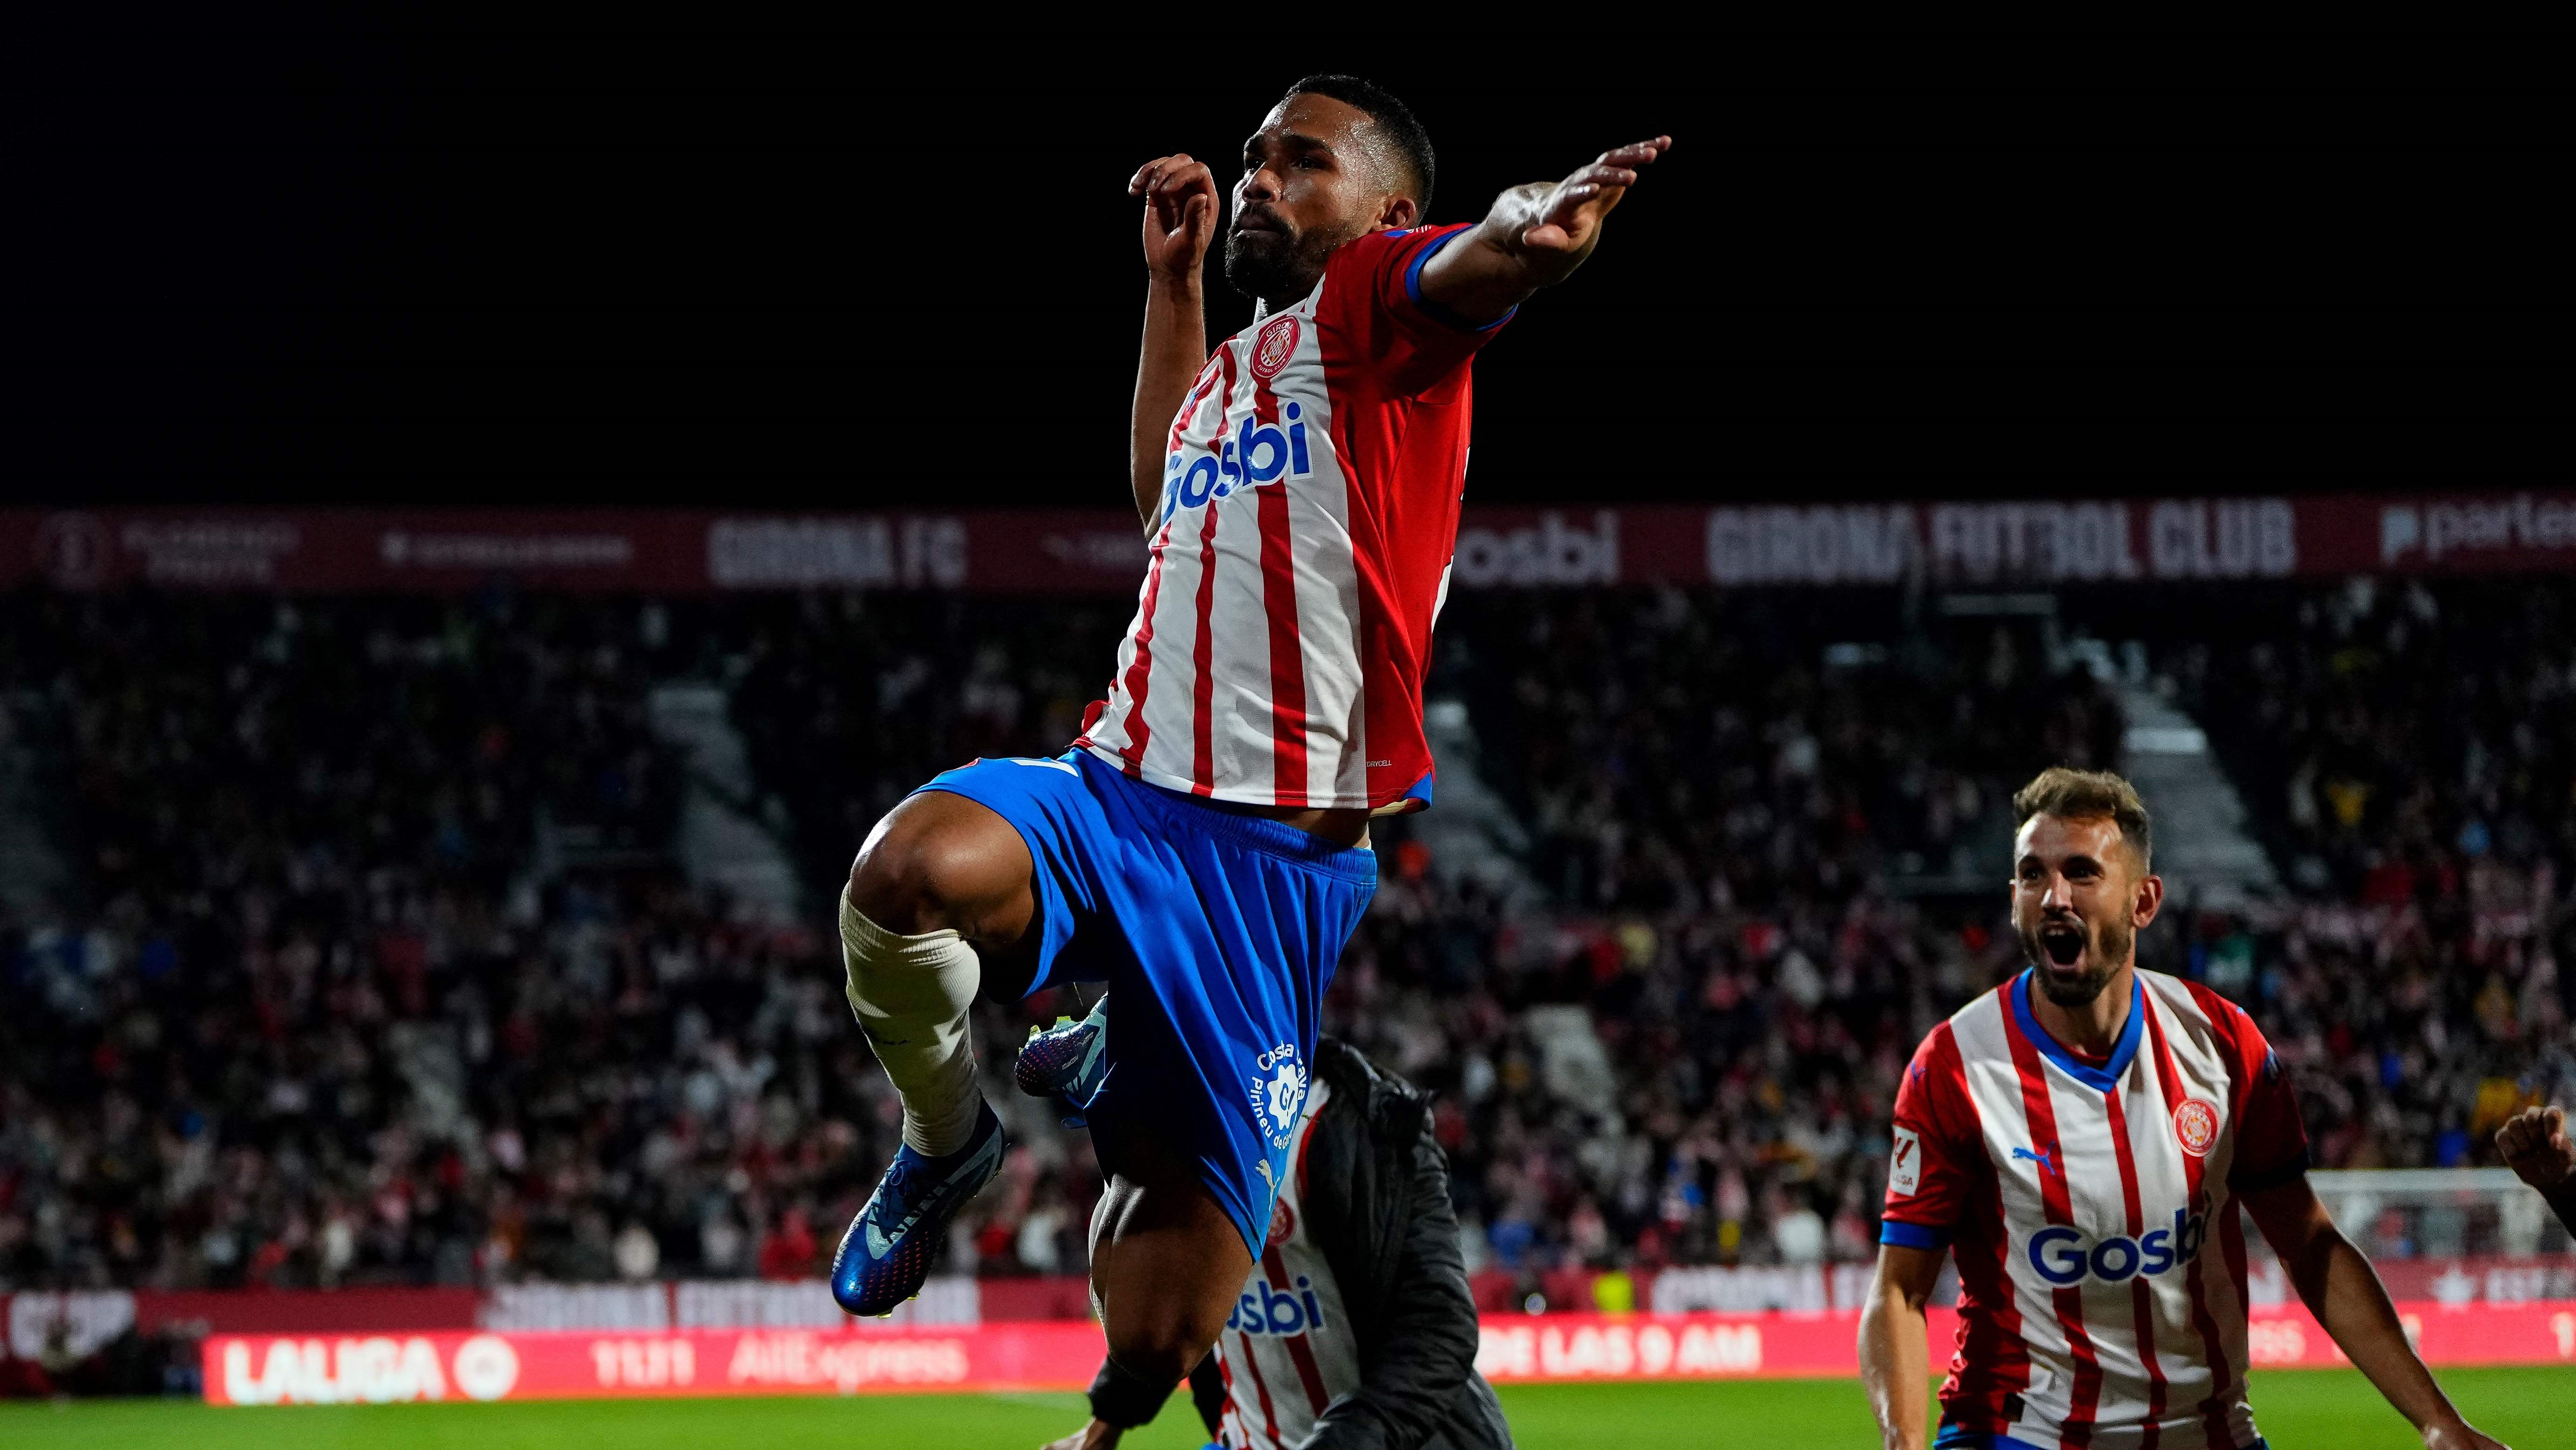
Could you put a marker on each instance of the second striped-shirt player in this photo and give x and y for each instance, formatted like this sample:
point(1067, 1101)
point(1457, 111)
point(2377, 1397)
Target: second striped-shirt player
point(2080, 1138)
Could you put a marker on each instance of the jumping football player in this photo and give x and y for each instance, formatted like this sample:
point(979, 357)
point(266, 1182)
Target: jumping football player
point(1203, 845)
point(2080, 1137)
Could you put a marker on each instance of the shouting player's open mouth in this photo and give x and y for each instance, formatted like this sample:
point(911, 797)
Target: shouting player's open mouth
point(2063, 941)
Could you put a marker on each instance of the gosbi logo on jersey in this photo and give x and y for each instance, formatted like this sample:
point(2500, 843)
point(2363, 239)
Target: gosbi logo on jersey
point(1265, 1310)
point(1256, 454)
point(2063, 1256)
point(2195, 1126)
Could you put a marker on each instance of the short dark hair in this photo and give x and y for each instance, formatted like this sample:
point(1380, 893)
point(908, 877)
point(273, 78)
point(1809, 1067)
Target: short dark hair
point(1392, 116)
point(2079, 795)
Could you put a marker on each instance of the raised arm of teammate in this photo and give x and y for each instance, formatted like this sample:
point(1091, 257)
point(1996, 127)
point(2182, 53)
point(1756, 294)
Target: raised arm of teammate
point(1180, 219)
point(1895, 1353)
point(2343, 1291)
point(1535, 236)
point(2535, 1144)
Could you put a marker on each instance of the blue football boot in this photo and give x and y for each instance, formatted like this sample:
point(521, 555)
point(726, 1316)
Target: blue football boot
point(887, 1252)
point(1067, 1062)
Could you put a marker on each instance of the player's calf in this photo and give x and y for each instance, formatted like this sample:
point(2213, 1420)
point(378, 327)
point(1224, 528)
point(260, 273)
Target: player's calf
point(935, 878)
point(939, 877)
point(1167, 1263)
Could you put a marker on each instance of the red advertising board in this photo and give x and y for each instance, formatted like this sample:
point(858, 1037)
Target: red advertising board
point(376, 1369)
point(1561, 1348)
point(2039, 542)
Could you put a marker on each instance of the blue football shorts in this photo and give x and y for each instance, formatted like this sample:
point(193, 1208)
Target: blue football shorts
point(1217, 933)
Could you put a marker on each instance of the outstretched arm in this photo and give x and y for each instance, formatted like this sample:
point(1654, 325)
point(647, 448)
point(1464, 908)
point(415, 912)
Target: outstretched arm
point(2343, 1291)
point(1180, 218)
point(1535, 236)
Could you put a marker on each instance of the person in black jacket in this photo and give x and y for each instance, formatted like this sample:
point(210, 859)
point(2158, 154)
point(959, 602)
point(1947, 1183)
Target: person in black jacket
point(1356, 1330)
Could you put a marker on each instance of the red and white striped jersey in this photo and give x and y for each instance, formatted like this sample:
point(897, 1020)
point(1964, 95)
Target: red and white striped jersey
point(1310, 509)
point(2091, 1207)
point(1287, 1351)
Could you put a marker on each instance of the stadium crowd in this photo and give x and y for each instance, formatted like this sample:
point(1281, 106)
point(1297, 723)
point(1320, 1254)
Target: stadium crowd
point(374, 961)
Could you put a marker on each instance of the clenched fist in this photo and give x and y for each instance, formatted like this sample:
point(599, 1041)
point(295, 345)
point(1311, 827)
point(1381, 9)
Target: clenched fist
point(2534, 1144)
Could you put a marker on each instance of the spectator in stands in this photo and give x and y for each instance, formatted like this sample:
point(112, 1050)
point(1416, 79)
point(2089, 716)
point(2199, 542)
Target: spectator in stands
point(787, 1254)
point(372, 961)
point(1356, 1328)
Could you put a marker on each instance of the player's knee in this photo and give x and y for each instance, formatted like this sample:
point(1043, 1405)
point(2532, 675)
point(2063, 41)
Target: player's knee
point(900, 883)
point(921, 873)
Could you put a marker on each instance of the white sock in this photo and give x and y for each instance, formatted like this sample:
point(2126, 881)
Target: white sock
point(911, 994)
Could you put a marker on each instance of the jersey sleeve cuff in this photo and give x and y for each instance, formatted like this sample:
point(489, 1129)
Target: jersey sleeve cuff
point(1912, 1235)
point(2272, 1177)
point(1431, 309)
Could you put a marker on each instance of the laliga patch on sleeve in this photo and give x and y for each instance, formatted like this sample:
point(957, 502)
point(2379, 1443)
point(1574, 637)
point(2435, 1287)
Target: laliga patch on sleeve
point(1905, 1169)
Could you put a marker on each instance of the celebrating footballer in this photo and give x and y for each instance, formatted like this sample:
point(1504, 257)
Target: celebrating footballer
point(2079, 1138)
point(1203, 846)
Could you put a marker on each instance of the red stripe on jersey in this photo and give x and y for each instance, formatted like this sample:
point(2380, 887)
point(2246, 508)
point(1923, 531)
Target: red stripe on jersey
point(1991, 1364)
point(1401, 505)
point(1140, 670)
point(2222, 1016)
point(1261, 1388)
point(1203, 657)
point(2085, 1396)
point(1305, 1145)
point(1286, 655)
point(1287, 652)
point(1228, 1422)
point(2222, 1376)
point(1208, 374)
point(2222, 1021)
point(1299, 1351)
point(2138, 1285)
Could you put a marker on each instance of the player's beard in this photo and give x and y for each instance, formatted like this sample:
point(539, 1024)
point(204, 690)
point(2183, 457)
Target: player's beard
point(1276, 266)
point(2106, 946)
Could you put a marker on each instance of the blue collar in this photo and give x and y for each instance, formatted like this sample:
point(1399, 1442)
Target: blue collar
point(2100, 1079)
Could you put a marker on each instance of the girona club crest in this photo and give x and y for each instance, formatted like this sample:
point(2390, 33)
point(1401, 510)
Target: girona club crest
point(1283, 1223)
point(2195, 1126)
point(1276, 344)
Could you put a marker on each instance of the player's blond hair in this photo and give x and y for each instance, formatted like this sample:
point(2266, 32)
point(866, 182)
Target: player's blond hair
point(2089, 795)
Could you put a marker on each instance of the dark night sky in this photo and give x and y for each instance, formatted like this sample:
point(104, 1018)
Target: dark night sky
point(851, 266)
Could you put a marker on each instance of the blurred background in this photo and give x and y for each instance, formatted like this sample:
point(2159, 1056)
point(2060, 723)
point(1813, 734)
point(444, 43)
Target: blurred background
point(497, 512)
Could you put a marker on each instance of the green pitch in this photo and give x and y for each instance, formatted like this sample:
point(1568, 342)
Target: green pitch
point(2526, 1408)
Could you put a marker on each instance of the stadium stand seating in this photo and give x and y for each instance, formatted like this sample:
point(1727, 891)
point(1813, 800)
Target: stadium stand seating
point(369, 961)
